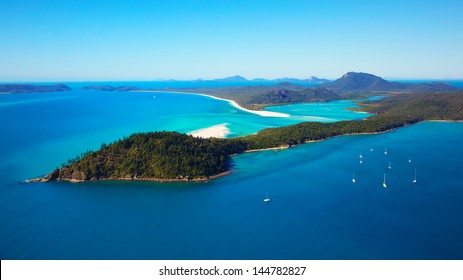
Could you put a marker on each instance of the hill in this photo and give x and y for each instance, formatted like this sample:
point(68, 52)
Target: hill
point(310, 80)
point(314, 79)
point(23, 88)
point(284, 96)
point(353, 81)
point(167, 156)
point(241, 79)
point(233, 79)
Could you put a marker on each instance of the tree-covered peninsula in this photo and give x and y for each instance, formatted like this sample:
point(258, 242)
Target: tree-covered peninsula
point(171, 156)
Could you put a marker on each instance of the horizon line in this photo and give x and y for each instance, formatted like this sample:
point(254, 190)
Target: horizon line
point(391, 78)
point(209, 80)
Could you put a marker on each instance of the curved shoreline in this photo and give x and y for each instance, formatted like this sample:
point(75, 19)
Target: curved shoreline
point(320, 140)
point(231, 102)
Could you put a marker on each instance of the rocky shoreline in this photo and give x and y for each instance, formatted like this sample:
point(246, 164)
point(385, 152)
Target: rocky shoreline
point(49, 178)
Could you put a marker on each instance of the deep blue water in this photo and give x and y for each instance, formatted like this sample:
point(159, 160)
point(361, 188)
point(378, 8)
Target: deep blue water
point(316, 211)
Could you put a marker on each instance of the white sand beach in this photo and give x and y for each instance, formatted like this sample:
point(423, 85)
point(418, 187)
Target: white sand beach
point(260, 113)
point(233, 103)
point(218, 131)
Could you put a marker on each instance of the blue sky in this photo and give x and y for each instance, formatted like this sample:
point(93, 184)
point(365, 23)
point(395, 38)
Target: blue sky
point(150, 40)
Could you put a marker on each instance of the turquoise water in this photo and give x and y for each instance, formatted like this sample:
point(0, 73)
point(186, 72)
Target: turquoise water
point(53, 127)
point(316, 211)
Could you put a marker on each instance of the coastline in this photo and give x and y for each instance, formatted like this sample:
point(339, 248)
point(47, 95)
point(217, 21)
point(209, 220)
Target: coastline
point(267, 149)
point(232, 102)
point(341, 135)
point(448, 121)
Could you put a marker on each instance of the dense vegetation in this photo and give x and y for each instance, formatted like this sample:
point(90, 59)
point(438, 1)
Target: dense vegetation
point(160, 155)
point(313, 131)
point(284, 96)
point(426, 106)
point(364, 82)
point(175, 156)
point(23, 88)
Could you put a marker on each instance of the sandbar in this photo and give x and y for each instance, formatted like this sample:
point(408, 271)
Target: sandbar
point(217, 131)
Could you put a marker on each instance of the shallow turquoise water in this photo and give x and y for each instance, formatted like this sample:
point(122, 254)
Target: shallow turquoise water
point(53, 127)
point(316, 211)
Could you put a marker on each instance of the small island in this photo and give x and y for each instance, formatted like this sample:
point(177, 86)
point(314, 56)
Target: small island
point(110, 88)
point(172, 156)
point(26, 88)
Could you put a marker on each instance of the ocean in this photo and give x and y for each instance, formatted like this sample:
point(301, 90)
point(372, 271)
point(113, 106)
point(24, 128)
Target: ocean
point(316, 212)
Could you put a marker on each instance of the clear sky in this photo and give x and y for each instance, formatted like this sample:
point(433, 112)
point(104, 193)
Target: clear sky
point(149, 40)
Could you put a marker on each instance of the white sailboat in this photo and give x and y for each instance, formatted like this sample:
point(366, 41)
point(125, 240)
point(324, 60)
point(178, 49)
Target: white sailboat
point(389, 166)
point(353, 177)
point(384, 182)
point(266, 199)
point(414, 180)
point(385, 151)
point(409, 160)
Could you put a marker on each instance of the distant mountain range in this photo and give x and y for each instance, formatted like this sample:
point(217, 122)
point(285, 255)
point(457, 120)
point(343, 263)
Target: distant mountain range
point(241, 79)
point(357, 81)
point(21, 88)
point(233, 79)
point(351, 82)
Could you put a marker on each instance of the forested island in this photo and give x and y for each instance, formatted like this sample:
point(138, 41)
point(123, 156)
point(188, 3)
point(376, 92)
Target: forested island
point(172, 156)
point(26, 88)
